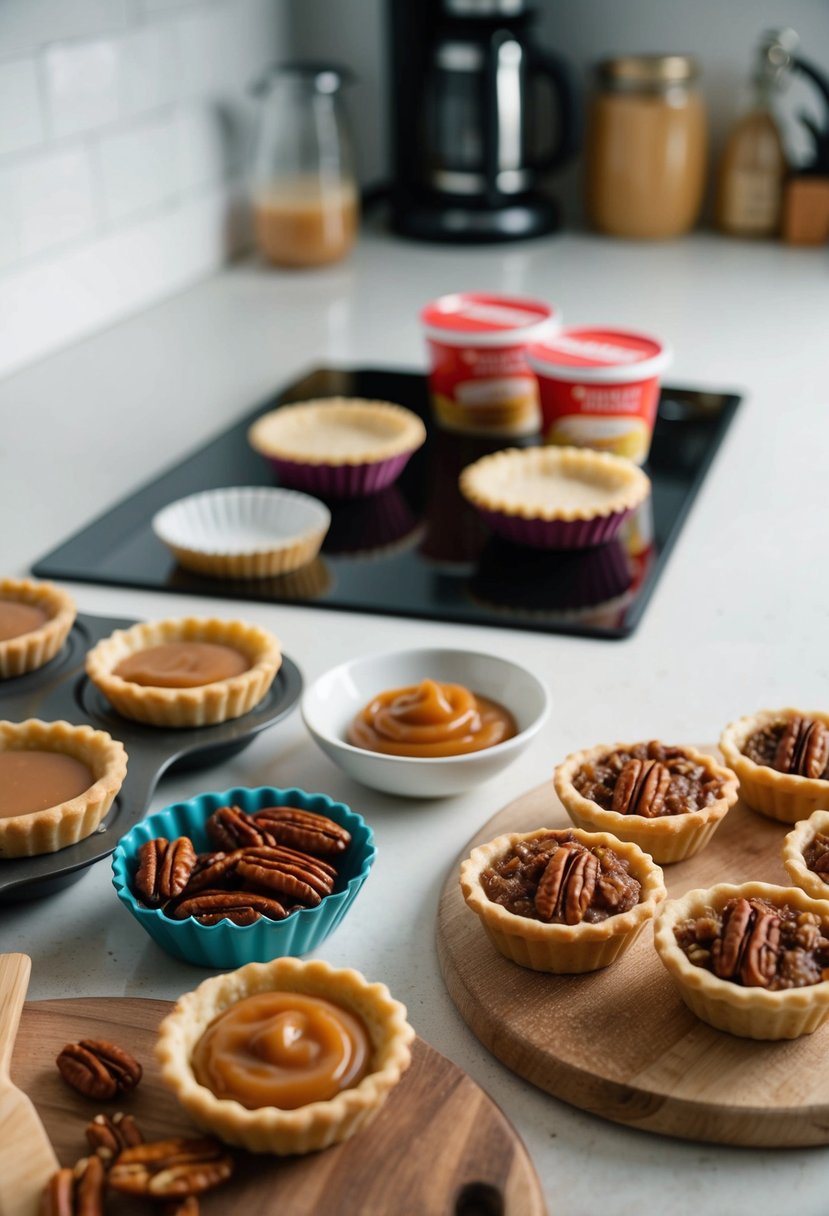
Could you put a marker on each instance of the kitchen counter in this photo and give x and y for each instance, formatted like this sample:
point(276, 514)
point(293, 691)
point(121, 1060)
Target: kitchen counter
point(735, 622)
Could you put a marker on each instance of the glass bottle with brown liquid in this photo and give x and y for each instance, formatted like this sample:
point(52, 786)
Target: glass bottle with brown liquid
point(304, 192)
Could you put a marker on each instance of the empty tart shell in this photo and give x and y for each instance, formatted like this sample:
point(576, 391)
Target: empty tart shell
point(555, 497)
point(338, 447)
point(786, 797)
point(269, 1129)
point(66, 823)
point(668, 838)
point(754, 1013)
point(34, 649)
point(795, 847)
point(203, 705)
point(561, 948)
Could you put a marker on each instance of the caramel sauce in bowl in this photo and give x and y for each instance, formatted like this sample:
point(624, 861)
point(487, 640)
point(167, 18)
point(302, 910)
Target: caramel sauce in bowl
point(443, 721)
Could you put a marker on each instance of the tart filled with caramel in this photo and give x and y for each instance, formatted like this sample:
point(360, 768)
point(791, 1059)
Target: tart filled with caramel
point(752, 960)
point(57, 782)
point(35, 619)
point(781, 757)
point(667, 799)
point(284, 1057)
point(182, 673)
point(561, 901)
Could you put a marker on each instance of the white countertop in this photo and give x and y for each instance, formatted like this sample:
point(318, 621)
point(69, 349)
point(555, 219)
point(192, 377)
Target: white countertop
point(735, 623)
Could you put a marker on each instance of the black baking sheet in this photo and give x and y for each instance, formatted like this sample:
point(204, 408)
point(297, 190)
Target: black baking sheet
point(418, 549)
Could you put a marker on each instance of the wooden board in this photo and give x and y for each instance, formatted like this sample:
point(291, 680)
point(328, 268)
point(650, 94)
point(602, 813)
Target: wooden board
point(439, 1145)
point(619, 1042)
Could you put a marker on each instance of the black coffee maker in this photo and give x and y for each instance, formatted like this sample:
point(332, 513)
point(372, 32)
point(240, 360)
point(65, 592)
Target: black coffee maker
point(480, 114)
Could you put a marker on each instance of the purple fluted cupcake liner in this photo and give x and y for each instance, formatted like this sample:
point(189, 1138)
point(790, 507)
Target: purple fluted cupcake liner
point(340, 480)
point(555, 533)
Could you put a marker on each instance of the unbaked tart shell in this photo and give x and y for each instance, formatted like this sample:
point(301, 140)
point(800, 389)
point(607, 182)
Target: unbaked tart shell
point(794, 848)
point(668, 838)
point(555, 497)
point(204, 705)
point(753, 1013)
point(562, 949)
point(270, 1129)
point(786, 797)
point(66, 823)
point(31, 650)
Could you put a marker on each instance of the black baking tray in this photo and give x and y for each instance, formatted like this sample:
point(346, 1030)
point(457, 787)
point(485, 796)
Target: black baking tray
point(418, 549)
point(61, 691)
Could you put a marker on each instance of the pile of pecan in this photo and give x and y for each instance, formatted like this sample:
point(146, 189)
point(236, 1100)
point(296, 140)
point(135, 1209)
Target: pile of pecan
point(265, 864)
point(171, 1172)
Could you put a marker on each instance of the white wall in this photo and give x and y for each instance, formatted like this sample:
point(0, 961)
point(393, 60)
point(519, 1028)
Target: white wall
point(123, 126)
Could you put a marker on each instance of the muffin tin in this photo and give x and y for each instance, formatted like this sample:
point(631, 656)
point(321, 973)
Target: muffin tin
point(61, 690)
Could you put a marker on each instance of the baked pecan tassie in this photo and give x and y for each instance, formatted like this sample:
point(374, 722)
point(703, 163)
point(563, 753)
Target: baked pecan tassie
point(781, 757)
point(752, 960)
point(561, 901)
point(251, 875)
point(806, 854)
point(667, 799)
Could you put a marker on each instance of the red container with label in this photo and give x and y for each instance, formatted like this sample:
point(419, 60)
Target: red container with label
point(599, 388)
point(479, 378)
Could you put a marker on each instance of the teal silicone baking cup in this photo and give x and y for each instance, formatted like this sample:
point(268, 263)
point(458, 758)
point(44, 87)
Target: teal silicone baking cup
point(225, 946)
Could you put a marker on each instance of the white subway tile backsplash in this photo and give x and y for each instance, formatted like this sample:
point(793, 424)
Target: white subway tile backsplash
point(139, 167)
point(51, 199)
point(205, 36)
point(9, 246)
point(149, 68)
point(26, 25)
point(202, 152)
point(82, 85)
point(21, 117)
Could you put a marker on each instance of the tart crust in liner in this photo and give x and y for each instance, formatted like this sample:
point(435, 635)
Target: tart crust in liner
point(306, 1128)
point(794, 847)
point(753, 1013)
point(31, 650)
point(562, 949)
point(68, 822)
point(668, 838)
point(337, 430)
point(786, 797)
point(554, 483)
point(204, 705)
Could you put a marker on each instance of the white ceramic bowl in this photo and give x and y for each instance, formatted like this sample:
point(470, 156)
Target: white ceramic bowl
point(332, 701)
point(244, 531)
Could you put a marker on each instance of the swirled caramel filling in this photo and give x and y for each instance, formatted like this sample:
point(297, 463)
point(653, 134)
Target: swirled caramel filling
point(34, 780)
point(17, 618)
point(430, 719)
point(182, 665)
point(282, 1049)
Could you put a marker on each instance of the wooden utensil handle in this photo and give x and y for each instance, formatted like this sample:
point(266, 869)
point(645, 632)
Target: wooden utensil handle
point(15, 970)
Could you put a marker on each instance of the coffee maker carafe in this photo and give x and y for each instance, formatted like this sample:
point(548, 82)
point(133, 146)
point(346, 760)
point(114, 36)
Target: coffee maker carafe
point(480, 115)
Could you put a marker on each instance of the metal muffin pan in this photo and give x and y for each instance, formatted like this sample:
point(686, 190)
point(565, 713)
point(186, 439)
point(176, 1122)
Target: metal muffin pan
point(61, 690)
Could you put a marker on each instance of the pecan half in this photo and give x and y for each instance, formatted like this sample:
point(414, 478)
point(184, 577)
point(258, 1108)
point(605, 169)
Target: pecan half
point(98, 1069)
point(641, 788)
point(567, 885)
point(75, 1192)
point(231, 828)
point(164, 867)
point(803, 748)
point(303, 830)
point(304, 878)
point(749, 947)
point(212, 870)
point(171, 1169)
point(107, 1137)
point(242, 907)
point(58, 1197)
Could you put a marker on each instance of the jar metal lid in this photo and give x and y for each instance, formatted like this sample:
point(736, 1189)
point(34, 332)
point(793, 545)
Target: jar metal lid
point(651, 73)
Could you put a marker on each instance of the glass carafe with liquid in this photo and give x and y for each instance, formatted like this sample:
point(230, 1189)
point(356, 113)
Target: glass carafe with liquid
point(304, 192)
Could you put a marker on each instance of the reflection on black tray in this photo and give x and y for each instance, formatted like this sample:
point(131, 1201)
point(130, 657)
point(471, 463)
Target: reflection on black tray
point(430, 552)
point(61, 690)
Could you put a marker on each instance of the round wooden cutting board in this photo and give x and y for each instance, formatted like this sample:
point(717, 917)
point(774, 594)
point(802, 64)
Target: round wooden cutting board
point(620, 1043)
point(439, 1146)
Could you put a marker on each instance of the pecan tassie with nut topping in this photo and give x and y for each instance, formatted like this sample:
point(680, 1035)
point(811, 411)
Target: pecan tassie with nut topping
point(98, 1069)
point(781, 757)
point(752, 960)
point(806, 854)
point(667, 799)
point(268, 863)
point(562, 901)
